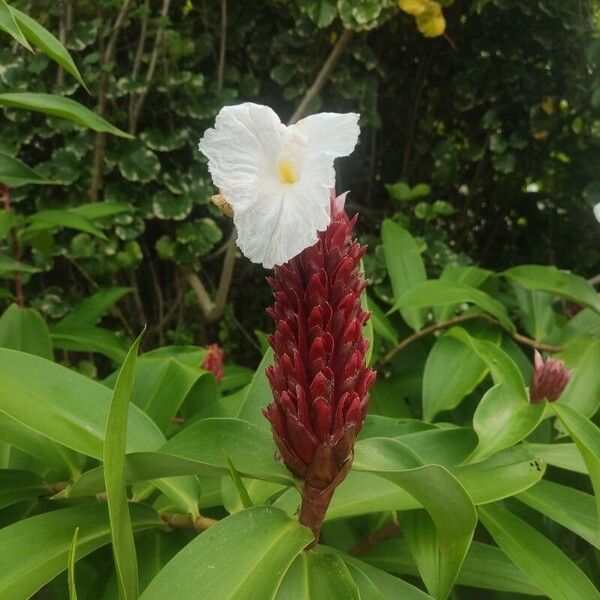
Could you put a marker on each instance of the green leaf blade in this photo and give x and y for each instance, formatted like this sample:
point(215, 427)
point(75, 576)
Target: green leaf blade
point(538, 558)
point(115, 443)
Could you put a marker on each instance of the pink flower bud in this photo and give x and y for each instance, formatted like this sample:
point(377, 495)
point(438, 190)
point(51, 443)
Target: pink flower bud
point(319, 378)
point(549, 379)
point(214, 361)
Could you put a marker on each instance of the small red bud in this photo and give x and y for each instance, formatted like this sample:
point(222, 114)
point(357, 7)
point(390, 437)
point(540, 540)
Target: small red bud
point(549, 379)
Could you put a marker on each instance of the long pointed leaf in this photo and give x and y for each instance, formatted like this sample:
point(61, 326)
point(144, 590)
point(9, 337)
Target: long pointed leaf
point(115, 442)
point(545, 564)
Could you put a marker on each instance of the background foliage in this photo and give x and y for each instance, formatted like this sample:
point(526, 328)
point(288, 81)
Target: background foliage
point(476, 170)
point(483, 142)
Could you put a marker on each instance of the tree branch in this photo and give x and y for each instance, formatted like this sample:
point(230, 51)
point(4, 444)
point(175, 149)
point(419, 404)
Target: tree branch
point(100, 143)
point(323, 75)
point(138, 103)
point(212, 310)
point(139, 53)
point(389, 357)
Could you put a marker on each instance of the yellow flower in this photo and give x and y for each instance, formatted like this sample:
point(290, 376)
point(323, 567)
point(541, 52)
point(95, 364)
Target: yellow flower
point(414, 7)
point(431, 23)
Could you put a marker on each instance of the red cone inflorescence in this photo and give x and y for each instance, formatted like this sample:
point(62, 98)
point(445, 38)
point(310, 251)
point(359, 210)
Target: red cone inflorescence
point(549, 379)
point(319, 378)
point(213, 361)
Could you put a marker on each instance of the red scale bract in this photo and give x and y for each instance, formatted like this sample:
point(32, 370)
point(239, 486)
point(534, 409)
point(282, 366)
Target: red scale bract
point(319, 378)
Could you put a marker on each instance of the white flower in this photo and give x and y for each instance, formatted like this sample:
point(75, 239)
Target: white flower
point(597, 211)
point(277, 179)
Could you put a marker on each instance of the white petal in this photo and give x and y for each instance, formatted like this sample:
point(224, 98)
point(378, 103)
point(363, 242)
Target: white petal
point(597, 211)
point(241, 150)
point(330, 133)
point(273, 232)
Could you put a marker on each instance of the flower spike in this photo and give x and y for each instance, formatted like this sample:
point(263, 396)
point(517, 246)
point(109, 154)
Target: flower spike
point(319, 378)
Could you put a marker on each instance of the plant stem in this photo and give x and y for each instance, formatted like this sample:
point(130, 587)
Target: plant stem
point(387, 531)
point(16, 247)
point(182, 521)
point(387, 359)
point(323, 75)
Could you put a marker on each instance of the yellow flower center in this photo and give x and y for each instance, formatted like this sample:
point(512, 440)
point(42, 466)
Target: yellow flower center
point(286, 169)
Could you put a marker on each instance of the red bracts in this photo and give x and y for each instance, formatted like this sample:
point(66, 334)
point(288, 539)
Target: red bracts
point(213, 361)
point(319, 378)
point(549, 379)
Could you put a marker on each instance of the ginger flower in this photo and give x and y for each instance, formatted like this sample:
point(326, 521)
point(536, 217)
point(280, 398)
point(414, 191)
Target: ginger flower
point(276, 178)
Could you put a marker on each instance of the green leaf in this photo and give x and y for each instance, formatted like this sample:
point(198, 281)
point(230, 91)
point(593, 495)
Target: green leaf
point(48, 538)
point(452, 371)
point(45, 41)
point(502, 419)
point(367, 329)
point(115, 442)
point(239, 484)
point(7, 221)
point(200, 449)
point(405, 267)
point(472, 276)
point(438, 569)
point(583, 390)
point(91, 310)
point(60, 107)
point(501, 476)
point(16, 486)
point(440, 293)
point(375, 584)
point(14, 173)
point(550, 279)
point(24, 329)
point(536, 312)
point(501, 366)
point(438, 491)
point(381, 324)
point(67, 219)
point(547, 566)
point(66, 406)
point(563, 456)
point(60, 462)
point(322, 12)
point(258, 395)
point(317, 575)
point(253, 570)
point(71, 566)
point(101, 210)
point(90, 339)
point(9, 24)
point(138, 163)
point(568, 506)
point(484, 566)
point(9, 266)
point(164, 386)
point(586, 436)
